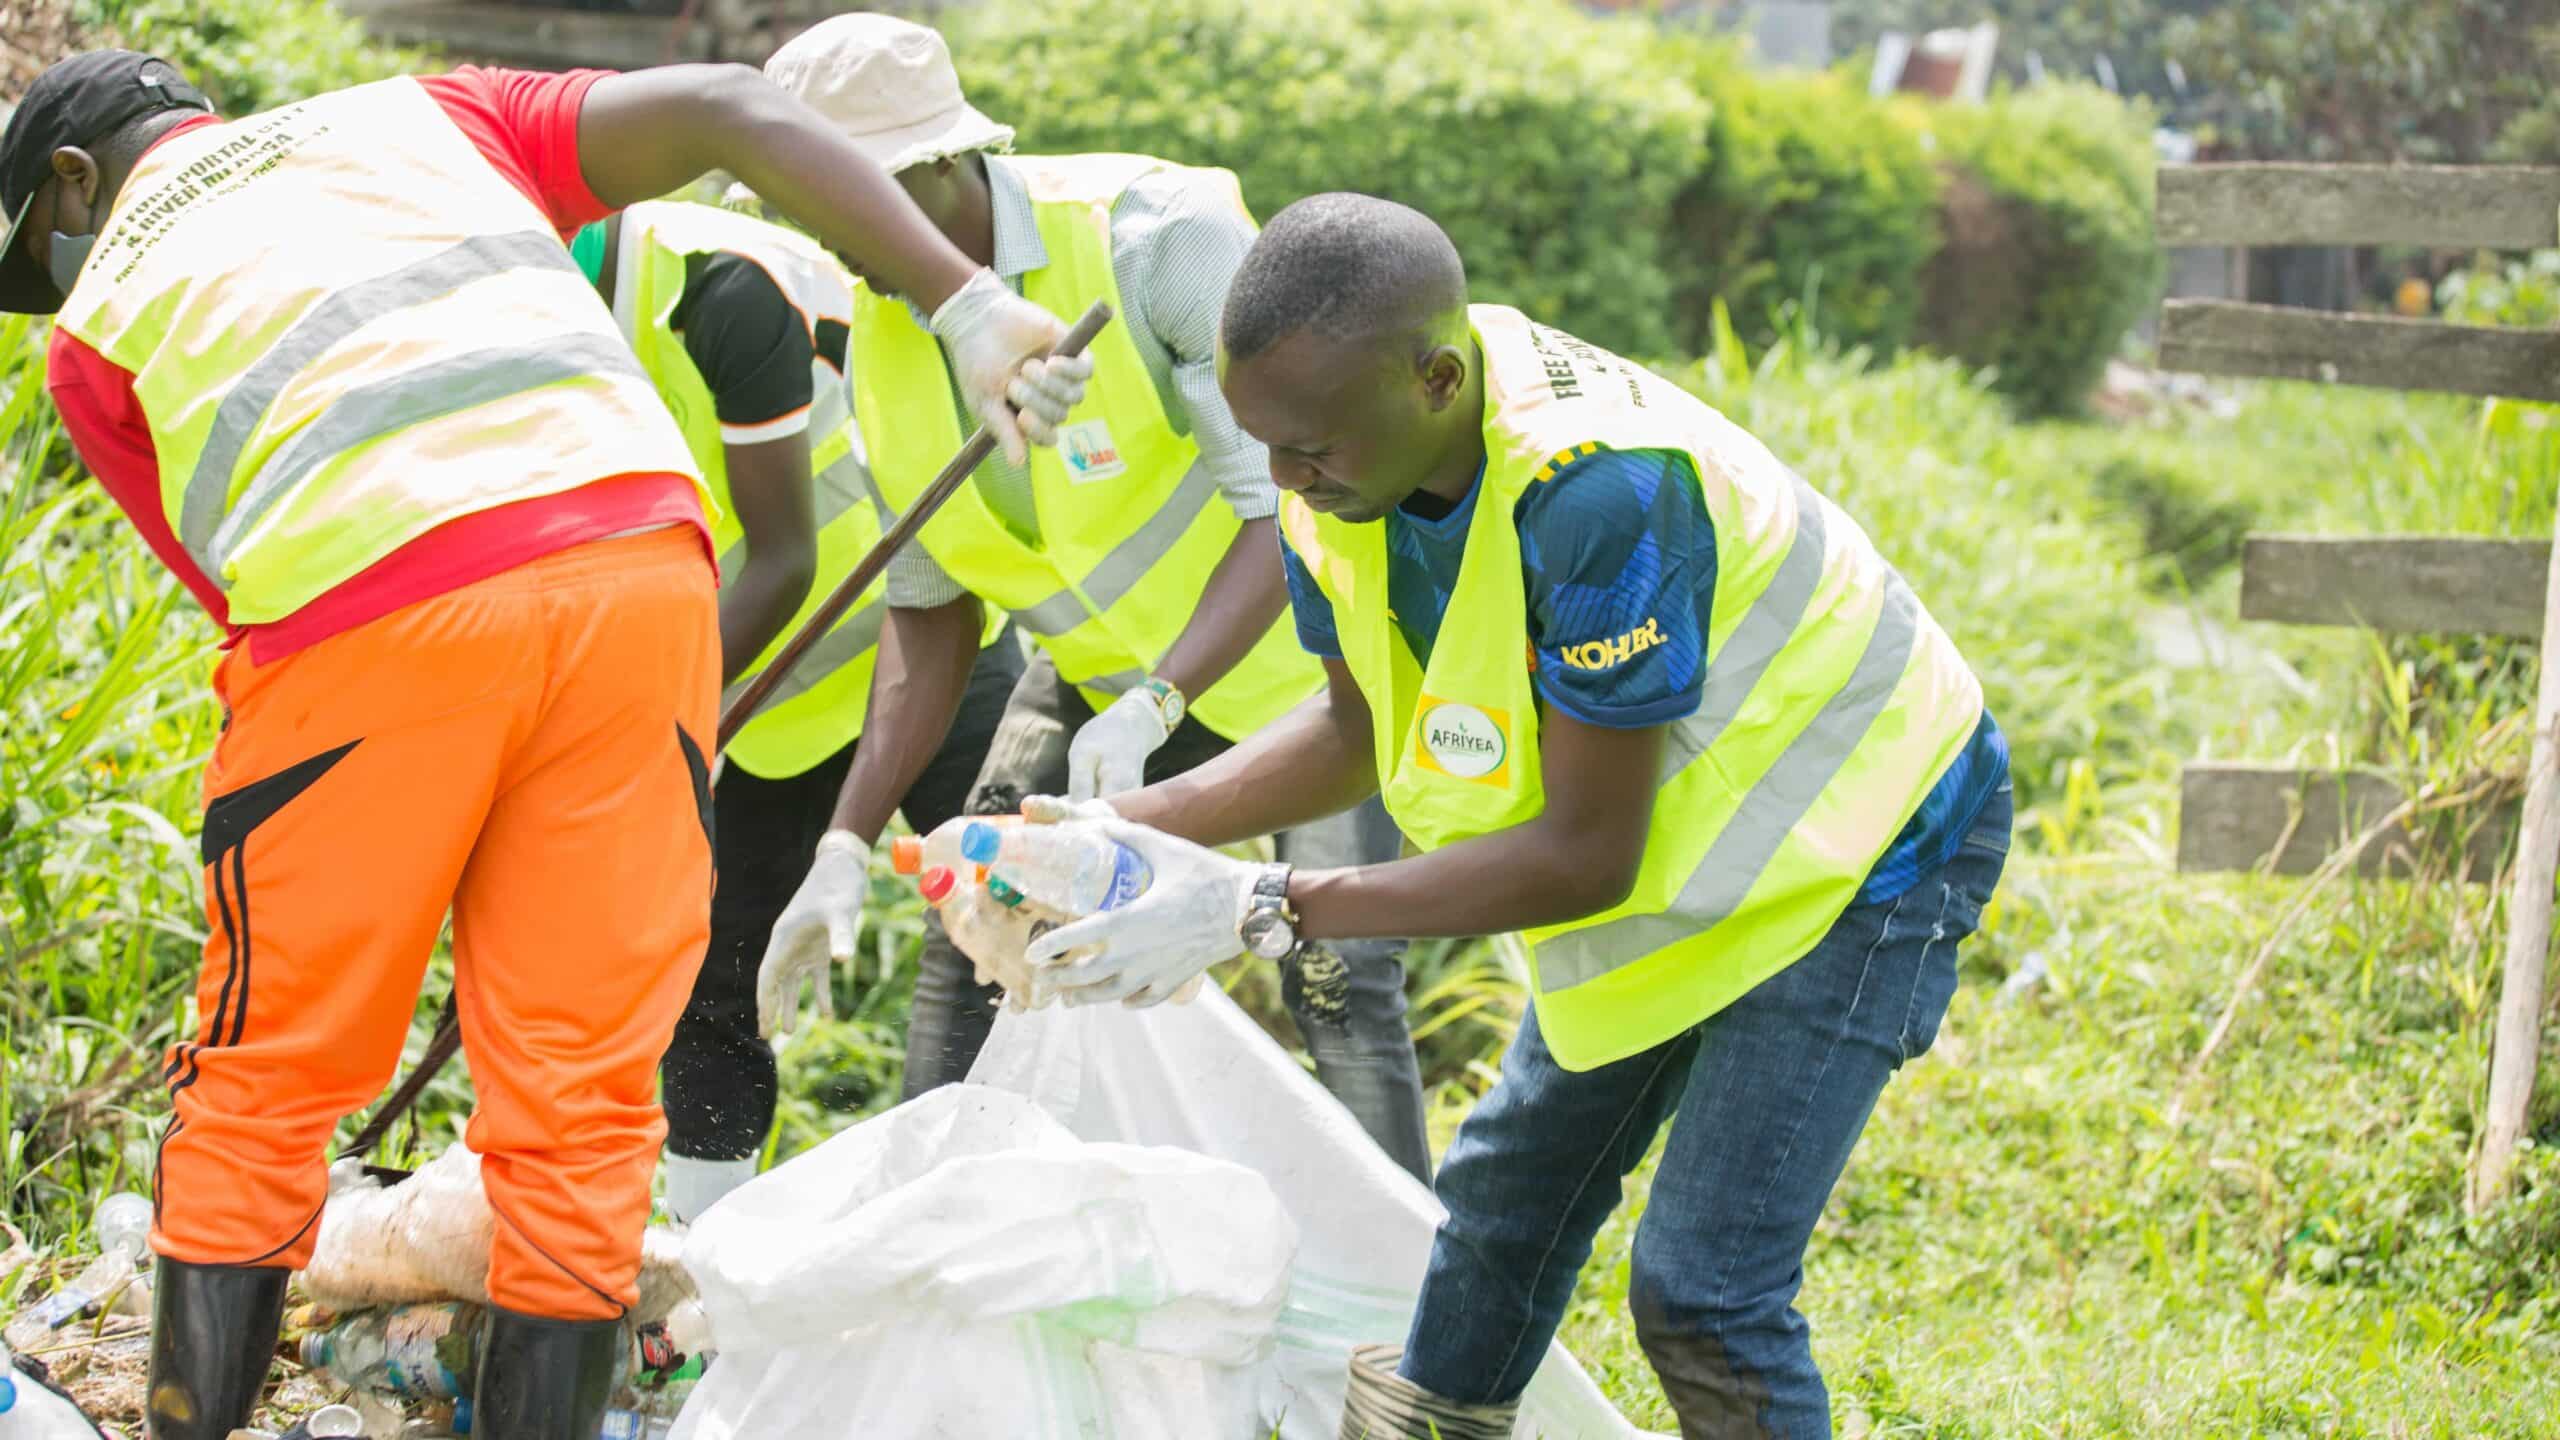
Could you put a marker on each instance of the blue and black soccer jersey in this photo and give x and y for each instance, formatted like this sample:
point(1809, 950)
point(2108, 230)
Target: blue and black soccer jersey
point(1618, 564)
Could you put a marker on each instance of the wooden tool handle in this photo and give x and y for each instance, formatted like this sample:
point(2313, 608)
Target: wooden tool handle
point(962, 466)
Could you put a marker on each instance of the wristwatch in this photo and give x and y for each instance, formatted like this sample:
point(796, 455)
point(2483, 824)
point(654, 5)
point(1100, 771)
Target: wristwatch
point(1269, 928)
point(1170, 706)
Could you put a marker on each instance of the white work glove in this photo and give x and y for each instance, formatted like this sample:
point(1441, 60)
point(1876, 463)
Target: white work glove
point(990, 333)
point(1145, 951)
point(1109, 753)
point(820, 923)
point(1045, 391)
point(1056, 809)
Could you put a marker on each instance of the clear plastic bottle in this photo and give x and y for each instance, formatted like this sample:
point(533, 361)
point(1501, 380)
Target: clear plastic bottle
point(915, 854)
point(992, 923)
point(991, 933)
point(623, 1424)
point(1068, 869)
point(123, 1228)
point(405, 1352)
point(329, 1422)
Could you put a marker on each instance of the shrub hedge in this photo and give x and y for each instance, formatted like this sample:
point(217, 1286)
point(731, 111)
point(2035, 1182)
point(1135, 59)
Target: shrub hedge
point(1612, 176)
point(1550, 145)
point(1812, 197)
point(2050, 255)
point(252, 55)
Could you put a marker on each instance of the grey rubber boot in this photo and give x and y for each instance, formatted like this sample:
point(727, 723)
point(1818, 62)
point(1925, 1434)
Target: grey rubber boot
point(213, 1333)
point(1383, 1405)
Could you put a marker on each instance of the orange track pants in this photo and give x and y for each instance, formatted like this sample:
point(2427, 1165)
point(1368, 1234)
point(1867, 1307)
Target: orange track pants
point(531, 752)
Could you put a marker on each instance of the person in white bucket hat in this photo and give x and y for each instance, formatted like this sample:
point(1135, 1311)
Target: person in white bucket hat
point(890, 87)
point(1139, 557)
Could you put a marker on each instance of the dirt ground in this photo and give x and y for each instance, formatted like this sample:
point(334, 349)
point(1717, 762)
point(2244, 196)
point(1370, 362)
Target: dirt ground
point(104, 1373)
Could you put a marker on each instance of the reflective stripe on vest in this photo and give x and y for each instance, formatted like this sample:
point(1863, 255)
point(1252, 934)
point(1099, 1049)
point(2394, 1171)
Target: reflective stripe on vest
point(1130, 528)
point(1832, 702)
point(409, 344)
point(818, 708)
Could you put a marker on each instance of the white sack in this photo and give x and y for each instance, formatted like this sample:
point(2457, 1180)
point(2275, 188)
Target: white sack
point(1131, 1225)
point(1206, 1078)
point(962, 1266)
point(427, 1238)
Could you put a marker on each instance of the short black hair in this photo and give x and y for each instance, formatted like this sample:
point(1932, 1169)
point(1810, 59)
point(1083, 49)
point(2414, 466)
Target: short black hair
point(121, 148)
point(1341, 264)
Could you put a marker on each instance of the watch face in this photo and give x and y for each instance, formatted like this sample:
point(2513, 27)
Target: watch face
point(1174, 707)
point(1266, 933)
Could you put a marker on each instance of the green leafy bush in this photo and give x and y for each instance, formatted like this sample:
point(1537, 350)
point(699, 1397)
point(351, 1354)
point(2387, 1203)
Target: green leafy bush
point(2049, 255)
point(2521, 292)
point(2532, 138)
point(1552, 146)
point(1812, 197)
point(252, 55)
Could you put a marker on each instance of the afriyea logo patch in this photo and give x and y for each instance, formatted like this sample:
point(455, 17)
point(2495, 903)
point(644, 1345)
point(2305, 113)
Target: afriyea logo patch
point(1464, 741)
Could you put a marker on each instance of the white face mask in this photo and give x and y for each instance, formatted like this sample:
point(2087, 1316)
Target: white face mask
point(64, 260)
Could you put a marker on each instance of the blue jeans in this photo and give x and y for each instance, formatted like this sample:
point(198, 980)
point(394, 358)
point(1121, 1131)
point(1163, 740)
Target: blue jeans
point(1771, 1093)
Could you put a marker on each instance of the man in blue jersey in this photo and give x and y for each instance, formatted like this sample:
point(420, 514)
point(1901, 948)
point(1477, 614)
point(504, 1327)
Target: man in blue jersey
point(1638, 692)
point(1617, 546)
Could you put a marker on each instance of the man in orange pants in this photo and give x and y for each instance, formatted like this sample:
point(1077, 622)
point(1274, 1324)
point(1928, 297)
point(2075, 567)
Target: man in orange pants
point(336, 364)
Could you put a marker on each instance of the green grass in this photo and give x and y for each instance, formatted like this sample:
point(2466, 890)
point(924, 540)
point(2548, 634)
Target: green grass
point(2027, 1244)
point(103, 725)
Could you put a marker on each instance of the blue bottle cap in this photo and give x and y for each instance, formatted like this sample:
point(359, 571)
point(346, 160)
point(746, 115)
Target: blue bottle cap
point(980, 842)
point(8, 1390)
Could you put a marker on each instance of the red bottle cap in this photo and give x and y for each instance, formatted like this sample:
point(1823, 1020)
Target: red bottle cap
point(936, 883)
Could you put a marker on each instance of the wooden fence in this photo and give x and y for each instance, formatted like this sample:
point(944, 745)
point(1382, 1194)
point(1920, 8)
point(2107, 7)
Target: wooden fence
point(2287, 820)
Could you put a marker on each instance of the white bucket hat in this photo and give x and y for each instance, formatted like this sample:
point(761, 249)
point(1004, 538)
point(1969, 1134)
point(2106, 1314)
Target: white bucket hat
point(889, 86)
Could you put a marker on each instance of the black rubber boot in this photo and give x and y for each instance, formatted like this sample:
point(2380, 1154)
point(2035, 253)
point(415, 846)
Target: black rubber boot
point(545, 1379)
point(213, 1332)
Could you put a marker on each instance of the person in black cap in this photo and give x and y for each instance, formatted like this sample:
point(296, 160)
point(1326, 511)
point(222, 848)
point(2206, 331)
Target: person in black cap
point(337, 366)
point(83, 101)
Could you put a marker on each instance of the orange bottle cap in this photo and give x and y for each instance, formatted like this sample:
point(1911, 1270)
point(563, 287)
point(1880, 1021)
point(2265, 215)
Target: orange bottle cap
point(906, 854)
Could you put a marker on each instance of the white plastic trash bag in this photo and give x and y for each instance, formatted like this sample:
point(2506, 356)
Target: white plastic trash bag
point(427, 1238)
point(964, 1266)
point(1132, 1224)
point(1206, 1078)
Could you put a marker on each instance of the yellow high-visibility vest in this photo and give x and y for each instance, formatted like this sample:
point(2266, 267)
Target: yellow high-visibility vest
point(818, 708)
point(1833, 701)
point(1129, 530)
point(345, 329)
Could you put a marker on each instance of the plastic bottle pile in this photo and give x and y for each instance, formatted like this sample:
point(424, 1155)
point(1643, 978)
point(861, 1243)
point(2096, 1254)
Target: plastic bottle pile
point(999, 883)
point(122, 1226)
point(421, 1362)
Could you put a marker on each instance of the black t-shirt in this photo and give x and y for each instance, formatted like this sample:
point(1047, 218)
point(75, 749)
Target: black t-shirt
point(750, 343)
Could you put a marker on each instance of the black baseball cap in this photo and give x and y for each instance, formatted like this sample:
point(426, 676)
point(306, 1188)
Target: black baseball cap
point(78, 101)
